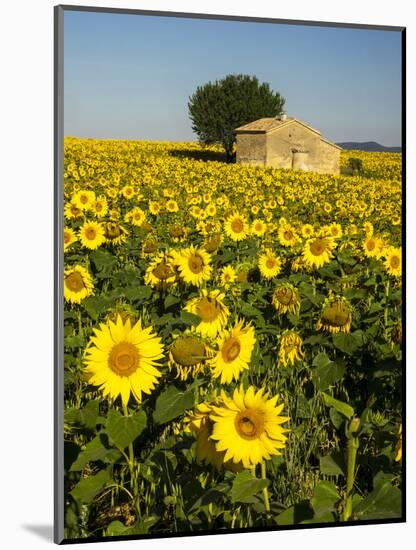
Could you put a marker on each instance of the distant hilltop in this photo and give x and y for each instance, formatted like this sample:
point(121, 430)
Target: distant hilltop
point(368, 146)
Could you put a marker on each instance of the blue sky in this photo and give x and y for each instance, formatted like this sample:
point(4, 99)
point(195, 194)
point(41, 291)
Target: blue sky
point(130, 76)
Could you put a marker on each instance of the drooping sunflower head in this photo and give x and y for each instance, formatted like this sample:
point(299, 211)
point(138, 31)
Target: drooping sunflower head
point(286, 298)
point(187, 356)
point(122, 359)
point(149, 247)
point(318, 251)
point(210, 307)
point(248, 427)
point(336, 315)
point(234, 349)
point(78, 284)
point(115, 233)
point(213, 242)
point(178, 233)
point(194, 265)
point(269, 264)
point(290, 348)
point(161, 272)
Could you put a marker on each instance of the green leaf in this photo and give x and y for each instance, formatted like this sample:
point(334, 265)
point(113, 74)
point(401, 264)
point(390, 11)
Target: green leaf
point(141, 527)
point(86, 417)
point(123, 430)
point(96, 450)
point(297, 513)
point(72, 342)
point(332, 464)
point(103, 260)
point(245, 486)
point(348, 343)
point(325, 496)
point(171, 300)
point(172, 403)
point(137, 292)
point(336, 417)
point(190, 318)
point(327, 373)
point(94, 305)
point(86, 489)
point(382, 503)
point(321, 360)
point(341, 407)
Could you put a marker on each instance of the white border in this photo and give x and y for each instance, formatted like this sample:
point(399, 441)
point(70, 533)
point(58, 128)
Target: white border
point(26, 227)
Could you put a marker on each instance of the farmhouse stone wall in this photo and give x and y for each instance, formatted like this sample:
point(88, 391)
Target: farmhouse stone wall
point(292, 146)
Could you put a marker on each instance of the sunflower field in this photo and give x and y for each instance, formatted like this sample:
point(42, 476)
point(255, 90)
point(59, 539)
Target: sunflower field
point(232, 339)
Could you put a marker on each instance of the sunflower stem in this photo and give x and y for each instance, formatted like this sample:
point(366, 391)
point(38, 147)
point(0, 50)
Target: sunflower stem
point(353, 443)
point(265, 490)
point(133, 480)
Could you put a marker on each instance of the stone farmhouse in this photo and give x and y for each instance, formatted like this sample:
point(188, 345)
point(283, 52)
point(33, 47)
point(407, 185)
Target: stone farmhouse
point(286, 142)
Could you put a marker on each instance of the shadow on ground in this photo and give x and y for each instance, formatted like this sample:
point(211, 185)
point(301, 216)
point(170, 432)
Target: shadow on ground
point(44, 532)
point(199, 155)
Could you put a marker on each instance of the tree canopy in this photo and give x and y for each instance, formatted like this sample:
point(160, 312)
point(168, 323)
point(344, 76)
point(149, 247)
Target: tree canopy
point(217, 108)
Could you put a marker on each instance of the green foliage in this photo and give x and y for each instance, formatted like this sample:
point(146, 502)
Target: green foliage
point(123, 430)
point(217, 108)
point(245, 486)
point(172, 403)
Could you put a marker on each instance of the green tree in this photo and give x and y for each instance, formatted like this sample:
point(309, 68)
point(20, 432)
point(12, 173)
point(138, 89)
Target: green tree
point(217, 108)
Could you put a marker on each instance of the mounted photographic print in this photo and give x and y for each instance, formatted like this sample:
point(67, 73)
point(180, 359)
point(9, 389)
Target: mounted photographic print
point(229, 294)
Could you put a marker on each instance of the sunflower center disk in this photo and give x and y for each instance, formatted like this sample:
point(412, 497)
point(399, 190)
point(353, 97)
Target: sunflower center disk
point(288, 235)
point(67, 238)
point(237, 226)
point(231, 350)
point(394, 262)
point(90, 233)
point(124, 359)
point(196, 264)
point(371, 245)
point(75, 282)
point(249, 424)
point(270, 263)
point(318, 247)
point(208, 311)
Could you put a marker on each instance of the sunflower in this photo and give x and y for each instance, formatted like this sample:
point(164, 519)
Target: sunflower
point(172, 206)
point(127, 192)
point(77, 284)
point(213, 242)
point(91, 235)
point(194, 265)
point(290, 348)
point(84, 200)
point(187, 356)
point(115, 233)
point(69, 237)
point(100, 207)
point(286, 298)
point(136, 216)
point(287, 235)
point(161, 273)
point(269, 264)
point(228, 275)
point(318, 251)
point(200, 423)
point(72, 212)
point(334, 230)
point(236, 227)
point(373, 247)
point(149, 246)
point(393, 261)
point(307, 230)
point(336, 315)
point(258, 228)
point(248, 427)
point(123, 359)
point(154, 208)
point(210, 307)
point(235, 347)
point(178, 233)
